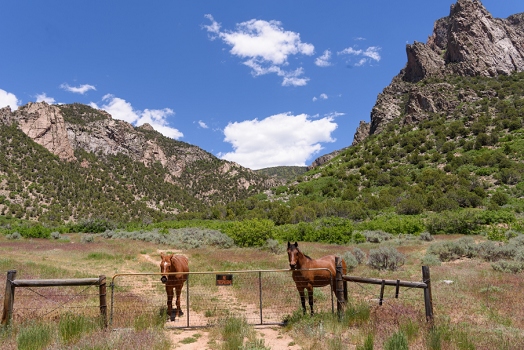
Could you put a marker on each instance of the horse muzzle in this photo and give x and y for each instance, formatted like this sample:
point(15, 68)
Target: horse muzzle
point(293, 267)
point(163, 279)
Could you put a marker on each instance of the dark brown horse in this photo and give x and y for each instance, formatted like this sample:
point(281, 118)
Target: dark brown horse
point(173, 263)
point(304, 279)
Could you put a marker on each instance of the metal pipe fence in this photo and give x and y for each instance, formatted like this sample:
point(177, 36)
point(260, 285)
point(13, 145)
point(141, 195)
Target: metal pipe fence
point(262, 297)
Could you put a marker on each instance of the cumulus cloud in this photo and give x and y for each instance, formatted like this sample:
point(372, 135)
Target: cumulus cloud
point(44, 98)
point(265, 47)
point(282, 139)
point(123, 110)
point(364, 56)
point(9, 99)
point(321, 96)
point(82, 89)
point(323, 61)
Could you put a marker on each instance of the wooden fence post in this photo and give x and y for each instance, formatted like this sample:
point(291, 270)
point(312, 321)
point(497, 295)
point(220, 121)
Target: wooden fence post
point(339, 286)
point(428, 299)
point(102, 289)
point(9, 298)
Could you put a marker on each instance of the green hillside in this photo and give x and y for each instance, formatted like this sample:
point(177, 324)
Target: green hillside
point(468, 163)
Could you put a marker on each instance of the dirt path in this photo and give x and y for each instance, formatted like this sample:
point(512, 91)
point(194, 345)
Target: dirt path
point(199, 339)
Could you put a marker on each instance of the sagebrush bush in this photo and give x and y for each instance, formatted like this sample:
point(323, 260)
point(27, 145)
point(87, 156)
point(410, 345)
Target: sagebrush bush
point(508, 266)
point(359, 255)
point(274, 246)
point(386, 258)
point(452, 250)
point(87, 238)
point(14, 235)
point(350, 259)
point(426, 236)
point(431, 260)
point(377, 236)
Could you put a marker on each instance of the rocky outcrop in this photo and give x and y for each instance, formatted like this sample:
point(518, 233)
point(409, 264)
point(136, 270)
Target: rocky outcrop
point(469, 42)
point(361, 133)
point(44, 124)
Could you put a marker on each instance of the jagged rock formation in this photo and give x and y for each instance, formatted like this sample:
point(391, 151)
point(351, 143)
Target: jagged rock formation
point(44, 124)
point(469, 42)
point(66, 128)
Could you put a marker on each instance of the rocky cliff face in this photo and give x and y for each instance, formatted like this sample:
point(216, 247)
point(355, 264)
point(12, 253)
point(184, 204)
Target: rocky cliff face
point(44, 124)
point(66, 128)
point(469, 42)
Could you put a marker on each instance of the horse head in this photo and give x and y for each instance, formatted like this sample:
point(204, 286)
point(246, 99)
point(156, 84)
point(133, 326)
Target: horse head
point(292, 254)
point(165, 266)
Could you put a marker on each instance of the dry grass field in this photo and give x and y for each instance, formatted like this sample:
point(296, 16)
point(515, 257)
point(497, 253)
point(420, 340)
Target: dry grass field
point(475, 306)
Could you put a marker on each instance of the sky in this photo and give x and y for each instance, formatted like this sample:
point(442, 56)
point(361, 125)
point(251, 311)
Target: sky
point(260, 83)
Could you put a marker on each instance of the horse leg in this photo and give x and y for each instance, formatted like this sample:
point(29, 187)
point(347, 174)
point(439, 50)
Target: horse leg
point(302, 300)
point(310, 297)
point(178, 292)
point(169, 290)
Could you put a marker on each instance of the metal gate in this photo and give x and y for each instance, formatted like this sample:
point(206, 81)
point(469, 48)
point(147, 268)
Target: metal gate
point(262, 297)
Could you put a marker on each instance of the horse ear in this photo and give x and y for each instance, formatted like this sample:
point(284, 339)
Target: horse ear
point(288, 244)
point(296, 244)
point(162, 255)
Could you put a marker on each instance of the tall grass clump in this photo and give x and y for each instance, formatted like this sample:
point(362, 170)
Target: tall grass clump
point(397, 341)
point(71, 327)
point(368, 343)
point(233, 330)
point(150, 320)
point(34, 336)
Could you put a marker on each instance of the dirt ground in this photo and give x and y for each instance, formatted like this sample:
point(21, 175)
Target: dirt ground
point(273, 337)
point(198, 338)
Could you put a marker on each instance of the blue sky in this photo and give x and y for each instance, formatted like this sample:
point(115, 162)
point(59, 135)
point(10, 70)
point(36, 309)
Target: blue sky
point(261, 83)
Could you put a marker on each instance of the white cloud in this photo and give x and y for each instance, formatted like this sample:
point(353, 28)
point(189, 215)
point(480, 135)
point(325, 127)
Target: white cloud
point(365, 56)
point(323, 61)
point(202, 124)
point(123, 110)
point(82, 89)
point(321, 96)
point(281, 139)
point(44, 98)
point(265, 47)
point(9, 99)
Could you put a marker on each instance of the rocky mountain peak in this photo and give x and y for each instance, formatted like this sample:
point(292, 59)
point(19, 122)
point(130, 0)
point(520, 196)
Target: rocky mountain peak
point(469, 42)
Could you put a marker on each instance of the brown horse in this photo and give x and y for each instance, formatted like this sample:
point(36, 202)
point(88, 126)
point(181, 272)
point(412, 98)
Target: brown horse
point(173, 263)
point(304, 279)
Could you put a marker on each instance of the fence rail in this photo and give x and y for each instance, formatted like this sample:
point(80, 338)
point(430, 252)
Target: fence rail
point(425, 285)
point(12, 284)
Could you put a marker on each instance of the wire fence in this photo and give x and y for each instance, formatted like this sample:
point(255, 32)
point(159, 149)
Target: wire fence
point(51, 303)
point(261, 297)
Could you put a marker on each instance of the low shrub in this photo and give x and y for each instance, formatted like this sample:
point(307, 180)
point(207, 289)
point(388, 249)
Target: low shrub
point(359, 255)
point(350, 259)
point(377, 236)
point(14, 235)
point(508, 266)
point(431, 260)
point(426, 236)
point(274, 246)
point(386, 258)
